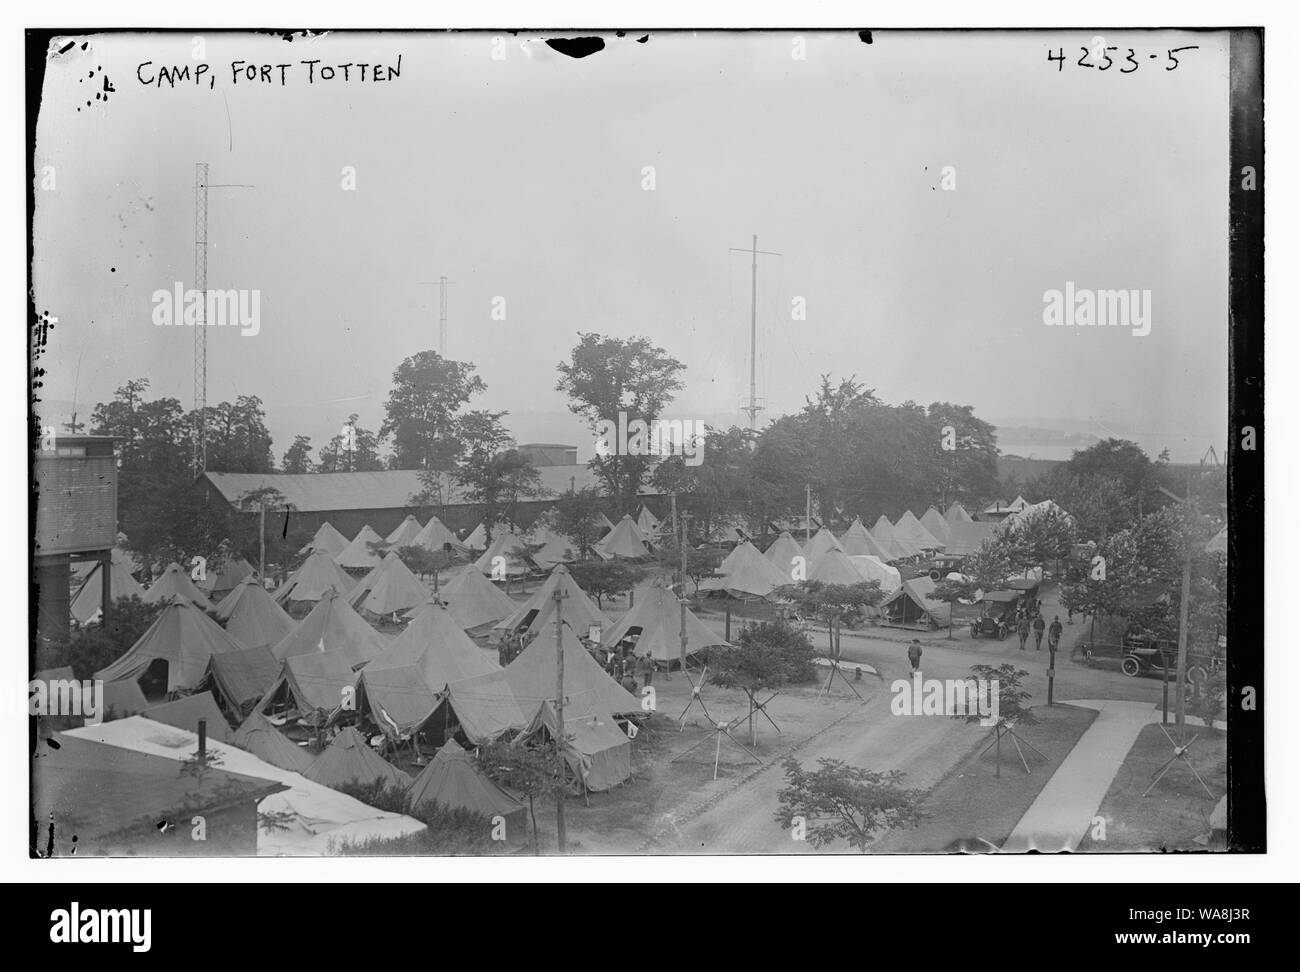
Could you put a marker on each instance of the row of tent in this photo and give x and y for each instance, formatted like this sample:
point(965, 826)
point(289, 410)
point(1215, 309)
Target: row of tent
point(334, 658)
point(629, 538)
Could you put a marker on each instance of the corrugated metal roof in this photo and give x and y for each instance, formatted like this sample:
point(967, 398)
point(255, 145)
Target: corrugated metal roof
point(381, 490)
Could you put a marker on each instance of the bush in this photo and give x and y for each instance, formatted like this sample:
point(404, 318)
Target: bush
point(767, 653)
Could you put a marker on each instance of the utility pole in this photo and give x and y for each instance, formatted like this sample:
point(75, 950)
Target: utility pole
point(261, 552)
point(807, 514)
point(753, 408)
point(686, 532)
point(559, 596)
point(1180, 671)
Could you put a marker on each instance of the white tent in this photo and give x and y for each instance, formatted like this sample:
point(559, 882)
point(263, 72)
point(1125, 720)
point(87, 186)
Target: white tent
point(746, 573)
point(328, 539)
point(507, 557)
point(304, 820)
point(874, 569)
point(405, 532)
point(360, 553)
point(822, 541)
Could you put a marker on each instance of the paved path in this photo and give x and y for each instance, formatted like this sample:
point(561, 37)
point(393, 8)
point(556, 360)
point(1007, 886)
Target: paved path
point(1061, 815)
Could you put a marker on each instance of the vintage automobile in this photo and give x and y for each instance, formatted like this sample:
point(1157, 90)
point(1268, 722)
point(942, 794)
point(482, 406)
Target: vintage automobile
point(997, 614)
point(1149, 656)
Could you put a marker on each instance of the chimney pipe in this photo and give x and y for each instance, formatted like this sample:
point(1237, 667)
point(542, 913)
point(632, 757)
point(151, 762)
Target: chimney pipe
point(203, 742)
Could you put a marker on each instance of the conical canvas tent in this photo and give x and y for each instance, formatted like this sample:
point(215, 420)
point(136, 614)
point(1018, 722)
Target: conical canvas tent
point(874, 569)
point(1219, 542)
point(241, 678)
point(598, 752)
point(188, 711)
point(400, 686)
point(405, 533)
point(956, 513)
point(332, 625)
point(533, 615)
point(226, 577)
point(87, 603)
point(315, 686)
point(894, 546)
point(454, 781)
point(327, 539)
point(909, 530)
point(655, 624)
point(258, 736)
point(480, 708)
point(318, 574)
point(174, 581)
point(934, 522)
point(822, 541)
point(647, 522)
point(624, 541)
point(746, 573)
point(388, 588)
point(252, 615)
point(910, 606)
point(603, 524)
point(474, 601)
point(834, 567)
point(507, 557)
point(350, 760)
point(858, 542)
point(587, 687)
point(557, 550)
point(360, 553)
point(783, 552)
point(183, 637)
point(435, 536)
point(477, 539)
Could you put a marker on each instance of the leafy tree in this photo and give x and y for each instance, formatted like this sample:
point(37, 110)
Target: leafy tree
point(491, 472)
point(1013, 708)
point(952, 592)
point(608, 375)
point(354, 449)
point(97, 645)
point(988, 567)
point(424, 561)
point(841, 802)
point(421, 414)
point(767, 655)
point(605, 578)
point(535, 771)
point(833, 604)
point(297, 458)
point(237, 437)
point(968, 472)
point(576, 515)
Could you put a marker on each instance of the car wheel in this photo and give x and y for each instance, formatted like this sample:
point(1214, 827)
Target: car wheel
point(1197, 674)
point(1130, 666)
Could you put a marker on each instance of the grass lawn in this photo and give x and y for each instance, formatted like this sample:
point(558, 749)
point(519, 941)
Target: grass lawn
point(972, 804)
point(1177, 810)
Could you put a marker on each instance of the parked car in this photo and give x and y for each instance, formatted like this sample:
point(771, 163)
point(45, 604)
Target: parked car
point(997, 614)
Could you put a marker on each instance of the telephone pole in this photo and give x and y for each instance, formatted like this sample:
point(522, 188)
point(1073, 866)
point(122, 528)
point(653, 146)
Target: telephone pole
point(753, 408)
point(561, 835)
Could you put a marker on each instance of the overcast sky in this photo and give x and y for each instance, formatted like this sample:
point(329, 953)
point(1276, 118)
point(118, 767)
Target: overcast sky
point(522, 178)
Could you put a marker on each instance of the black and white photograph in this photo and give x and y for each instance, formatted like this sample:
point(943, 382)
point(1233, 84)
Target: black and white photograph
point(650, 443)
